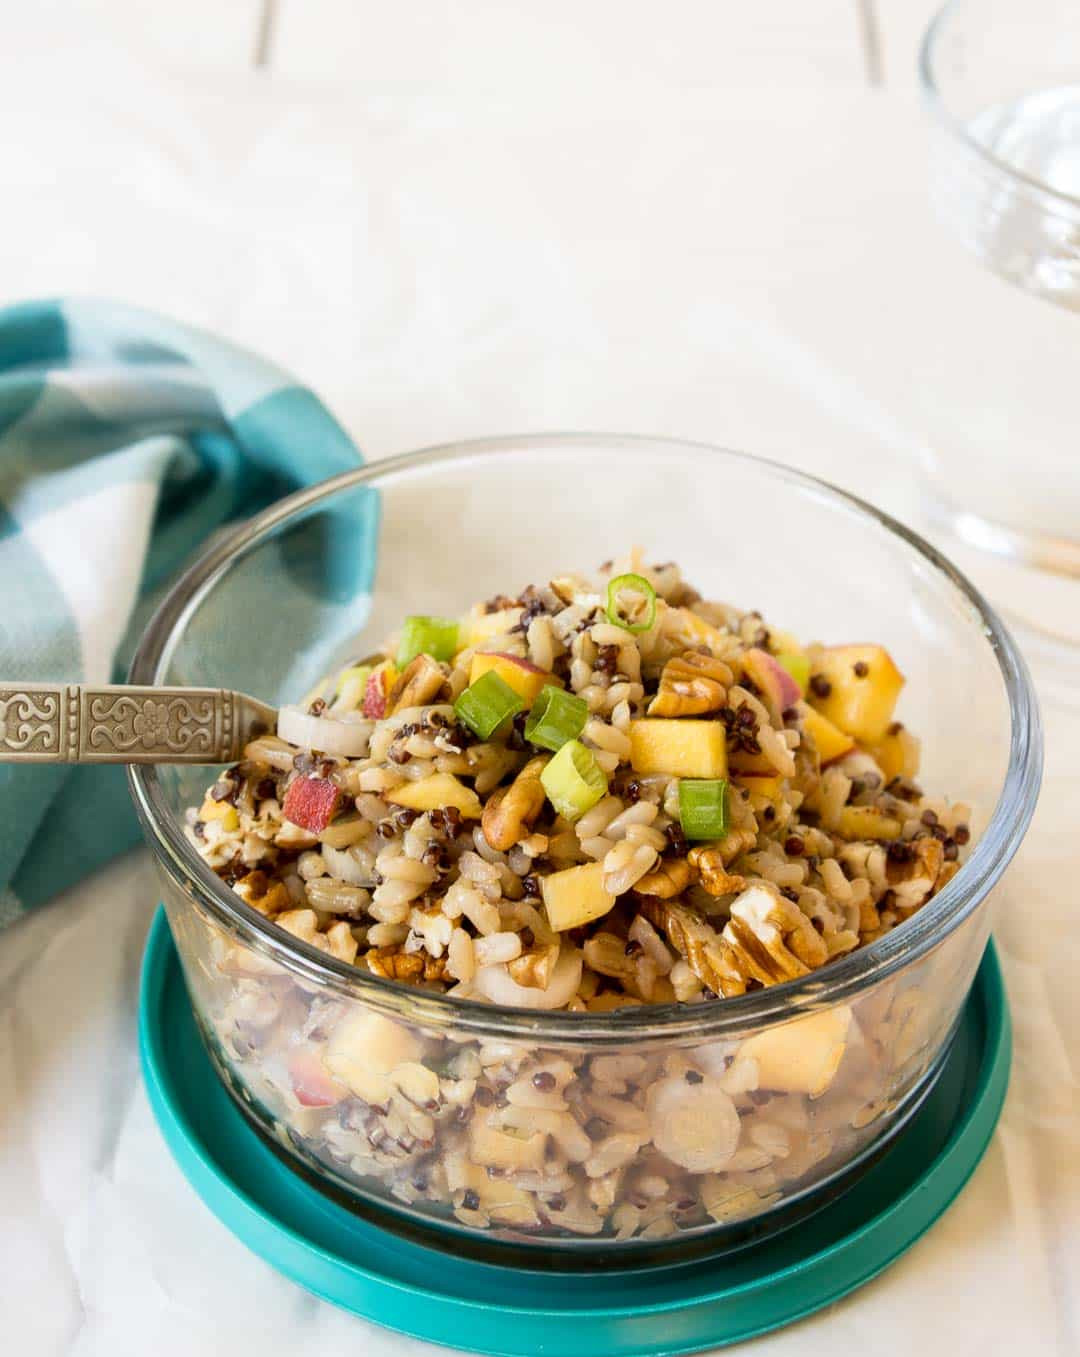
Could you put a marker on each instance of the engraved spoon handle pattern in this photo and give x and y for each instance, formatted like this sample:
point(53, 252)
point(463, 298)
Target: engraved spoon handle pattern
point(118, 723)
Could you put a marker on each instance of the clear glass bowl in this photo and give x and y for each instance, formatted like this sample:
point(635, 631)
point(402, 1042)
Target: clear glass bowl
point(1000, 82)
point(441, 1119)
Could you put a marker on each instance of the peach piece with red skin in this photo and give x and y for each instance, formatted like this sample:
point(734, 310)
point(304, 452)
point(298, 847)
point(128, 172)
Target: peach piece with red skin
point(311, 803)
point(377, 693)
point(311, 1084)
point(771, 676)
point(526, 678)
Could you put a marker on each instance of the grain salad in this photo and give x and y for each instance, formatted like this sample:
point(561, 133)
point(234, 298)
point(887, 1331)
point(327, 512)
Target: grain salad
point(589, 795)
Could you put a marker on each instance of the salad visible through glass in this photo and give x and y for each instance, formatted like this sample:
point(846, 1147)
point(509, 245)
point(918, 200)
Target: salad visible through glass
point(587, 795)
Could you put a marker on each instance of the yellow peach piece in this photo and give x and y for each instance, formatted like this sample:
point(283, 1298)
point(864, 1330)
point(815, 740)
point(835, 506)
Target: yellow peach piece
point(898, 753)
point(220, 810)
point(802, 1056)
point(576, 896)
point(830, 742)
point(477, 628)
point(436, 793)
point(866, 822)
point(526, 679)
point(860, 684)
point(680, 748)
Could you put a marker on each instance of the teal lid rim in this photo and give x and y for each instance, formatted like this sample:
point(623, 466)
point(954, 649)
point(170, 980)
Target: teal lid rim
point(903, 1222)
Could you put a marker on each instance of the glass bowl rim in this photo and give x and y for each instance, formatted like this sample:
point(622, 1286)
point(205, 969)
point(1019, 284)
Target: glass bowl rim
point(836, 982)
point(936, 104)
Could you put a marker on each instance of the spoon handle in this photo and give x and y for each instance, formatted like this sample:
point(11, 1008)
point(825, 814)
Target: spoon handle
point(118, 723)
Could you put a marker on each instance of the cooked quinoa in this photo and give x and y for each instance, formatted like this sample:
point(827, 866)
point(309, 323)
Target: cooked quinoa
point(676, 802)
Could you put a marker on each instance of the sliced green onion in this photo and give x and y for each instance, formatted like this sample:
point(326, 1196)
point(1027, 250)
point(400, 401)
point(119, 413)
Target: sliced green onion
point(573, 780)
point(798, 666)
point(434, 636)
point(703, 807)
point(485, 704)
point(556, 716)
point(636, 584)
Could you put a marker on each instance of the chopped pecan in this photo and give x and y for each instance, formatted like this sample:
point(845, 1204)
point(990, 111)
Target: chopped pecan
point(869, 917)
point(340, 942)
point(301, 923)
point(564, 587)
point(914, 871)
point(670, 878)
point(807, 768)
point(511, 811)
point(257, 890)
point(393, 964)
point(690, 684)
point(420, 682)
point(606, 954)
point(703, 949)
point(435, 968)
point(534, 968)
point(771, 938)
point(734, 842)
point(708, 861)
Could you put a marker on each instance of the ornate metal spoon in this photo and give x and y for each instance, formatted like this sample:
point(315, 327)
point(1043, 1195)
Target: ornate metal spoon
point(77, 723)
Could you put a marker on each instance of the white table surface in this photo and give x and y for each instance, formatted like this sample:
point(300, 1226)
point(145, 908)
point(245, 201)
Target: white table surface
point(470, 219)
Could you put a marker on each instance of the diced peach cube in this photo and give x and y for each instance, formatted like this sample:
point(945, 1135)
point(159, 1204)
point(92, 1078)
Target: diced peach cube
point(576, 896)
point(377, 691)
point(772, 678)
point(678, 747)
point(479, 627)
point(220, 810)
point(831, 742)
point(764, 791)
point(856, 688)
point(311, 1083)
point(526, 678)
point(311, 803)
point(435, 793)
point(867, 822)
point(898, 753)
point(803, 1055)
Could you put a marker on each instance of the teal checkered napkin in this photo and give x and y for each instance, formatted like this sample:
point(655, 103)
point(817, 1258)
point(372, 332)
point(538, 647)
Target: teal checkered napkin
point(125, 441)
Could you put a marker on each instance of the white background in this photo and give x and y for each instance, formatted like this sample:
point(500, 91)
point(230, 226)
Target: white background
point(695, 219)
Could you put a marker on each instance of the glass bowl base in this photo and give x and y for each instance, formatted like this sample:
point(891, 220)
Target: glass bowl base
point(494, 1305)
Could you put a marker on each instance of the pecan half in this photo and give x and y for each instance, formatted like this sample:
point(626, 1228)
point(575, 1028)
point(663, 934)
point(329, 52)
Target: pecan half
point(393, 964)
point(915, 871)
point(420, 682)
point(410, 967)
point(606, 954)
point(771, 938)
point(534, 968)
point(670, 878)
point(257, 890)
point(733, 843)
point(691, 684)
point(511, 811)
point(708, 861)
point(703, 949)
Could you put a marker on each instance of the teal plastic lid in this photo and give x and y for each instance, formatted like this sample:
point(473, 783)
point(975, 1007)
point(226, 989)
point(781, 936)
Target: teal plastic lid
point(517, 1312)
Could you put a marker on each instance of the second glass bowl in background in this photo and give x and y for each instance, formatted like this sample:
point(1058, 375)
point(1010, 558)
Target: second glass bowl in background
point(1001, 82)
